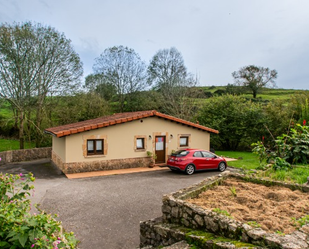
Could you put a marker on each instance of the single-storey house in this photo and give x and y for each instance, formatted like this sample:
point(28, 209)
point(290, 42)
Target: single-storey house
point(124, 140)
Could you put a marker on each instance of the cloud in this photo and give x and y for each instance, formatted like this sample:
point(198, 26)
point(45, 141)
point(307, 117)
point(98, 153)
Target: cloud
point(214, 37)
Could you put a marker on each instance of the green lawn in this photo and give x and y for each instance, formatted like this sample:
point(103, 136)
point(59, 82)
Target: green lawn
point(8, 144)
point(250, 161)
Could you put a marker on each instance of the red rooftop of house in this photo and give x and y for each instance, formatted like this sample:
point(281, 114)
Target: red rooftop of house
point(118, 118)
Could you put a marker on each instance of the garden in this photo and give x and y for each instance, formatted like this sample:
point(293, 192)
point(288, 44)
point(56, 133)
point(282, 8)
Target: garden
point(286, 159)
point(20, 226)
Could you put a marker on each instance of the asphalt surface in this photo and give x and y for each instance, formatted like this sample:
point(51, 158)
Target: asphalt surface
point(105, 211)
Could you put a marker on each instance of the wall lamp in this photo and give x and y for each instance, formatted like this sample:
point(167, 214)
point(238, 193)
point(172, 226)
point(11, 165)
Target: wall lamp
point(150, 137)
point(171, 135)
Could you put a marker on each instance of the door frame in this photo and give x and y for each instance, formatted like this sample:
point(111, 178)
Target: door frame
point(164, 148)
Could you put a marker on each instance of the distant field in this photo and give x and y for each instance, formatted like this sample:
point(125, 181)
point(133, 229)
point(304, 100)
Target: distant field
point(8, 144)
point(265, 94)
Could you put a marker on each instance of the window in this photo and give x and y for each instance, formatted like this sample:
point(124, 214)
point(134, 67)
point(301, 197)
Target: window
point(207, 154)
point(95, 147)
point(197, 154)
point(184, 141)
point(180, 153)
point(140, 143)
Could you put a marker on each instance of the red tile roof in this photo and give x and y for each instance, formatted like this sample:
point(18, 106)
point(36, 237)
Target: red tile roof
point(118, 118)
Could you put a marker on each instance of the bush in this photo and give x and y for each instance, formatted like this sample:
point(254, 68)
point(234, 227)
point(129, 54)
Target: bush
point(19, 228)
point(281, 164)
point(240, 122)
point(219, 92)
point(299, 140)
point(289, 148)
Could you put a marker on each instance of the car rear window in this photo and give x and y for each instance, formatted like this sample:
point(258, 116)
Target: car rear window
point(180, 153)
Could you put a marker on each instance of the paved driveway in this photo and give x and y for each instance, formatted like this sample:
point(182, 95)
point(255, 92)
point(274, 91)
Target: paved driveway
point(104, 212)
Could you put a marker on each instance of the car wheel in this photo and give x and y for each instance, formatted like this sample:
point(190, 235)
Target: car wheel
point(190, 169)
point(222, 166)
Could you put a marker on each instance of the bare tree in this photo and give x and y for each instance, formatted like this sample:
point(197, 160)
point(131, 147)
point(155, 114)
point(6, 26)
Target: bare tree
point(255, 78)
point(35, 61)
point(167, 69)
point(122, 68)
point(168, 74)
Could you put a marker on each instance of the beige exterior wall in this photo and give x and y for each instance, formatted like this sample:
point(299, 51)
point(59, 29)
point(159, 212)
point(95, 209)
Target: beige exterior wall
point(59, 147)
point(119, 140)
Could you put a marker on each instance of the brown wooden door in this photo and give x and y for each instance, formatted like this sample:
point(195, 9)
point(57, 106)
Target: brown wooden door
point(160, 149)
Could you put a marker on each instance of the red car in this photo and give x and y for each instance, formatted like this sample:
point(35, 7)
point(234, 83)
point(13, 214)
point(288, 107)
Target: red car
point(191, 160)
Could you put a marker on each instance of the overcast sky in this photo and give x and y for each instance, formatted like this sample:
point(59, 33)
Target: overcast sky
point(214, 37)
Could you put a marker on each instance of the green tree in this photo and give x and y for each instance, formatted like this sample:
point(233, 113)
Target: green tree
point(239, 121)
point(233, 89)
point(80, 107)
point(122, 68)
point(254, 78)
point(97, 83)
point(35, 61)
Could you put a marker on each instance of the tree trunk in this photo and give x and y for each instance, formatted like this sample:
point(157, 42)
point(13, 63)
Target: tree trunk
point(254, 94)
point(21, 131)
point(38, 137)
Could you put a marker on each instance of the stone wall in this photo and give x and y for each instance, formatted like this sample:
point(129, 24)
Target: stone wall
point(152, 233)
point(176, 210)
point(78, 167)
point(155, 234)
point(13, 156)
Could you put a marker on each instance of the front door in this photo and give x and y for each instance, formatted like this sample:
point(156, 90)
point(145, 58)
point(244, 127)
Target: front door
point(160, 149)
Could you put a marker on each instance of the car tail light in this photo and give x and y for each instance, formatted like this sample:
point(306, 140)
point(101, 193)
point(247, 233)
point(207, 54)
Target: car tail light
point(179, 159)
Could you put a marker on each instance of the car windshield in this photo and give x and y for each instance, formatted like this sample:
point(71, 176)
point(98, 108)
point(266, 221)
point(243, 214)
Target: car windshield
point(180, 153)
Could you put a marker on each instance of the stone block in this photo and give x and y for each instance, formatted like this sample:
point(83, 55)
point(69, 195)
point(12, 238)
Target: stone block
point(166, 209)
point(256, 234)
point(211, 225)
point(175, 212)
point(199, 220)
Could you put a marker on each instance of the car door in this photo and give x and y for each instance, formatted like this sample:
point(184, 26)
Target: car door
point(199, 160)
point(211, 161)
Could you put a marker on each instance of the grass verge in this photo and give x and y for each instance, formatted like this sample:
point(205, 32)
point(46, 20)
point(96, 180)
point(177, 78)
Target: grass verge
point(297, 174)
point(8, 144)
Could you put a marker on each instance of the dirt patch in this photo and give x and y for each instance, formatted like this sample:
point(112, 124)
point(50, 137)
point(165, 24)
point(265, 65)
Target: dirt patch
point(271, 208)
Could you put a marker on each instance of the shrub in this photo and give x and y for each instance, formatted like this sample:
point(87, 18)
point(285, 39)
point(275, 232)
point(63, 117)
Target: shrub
point(19, 228)
point(240, 122)
point(281, 164)
point(298, 139)
point(289, 148)
point(261, 151)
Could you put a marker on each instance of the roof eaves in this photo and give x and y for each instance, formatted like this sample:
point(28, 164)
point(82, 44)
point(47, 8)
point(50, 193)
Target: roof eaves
point(73, 131)
point(141, 115)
